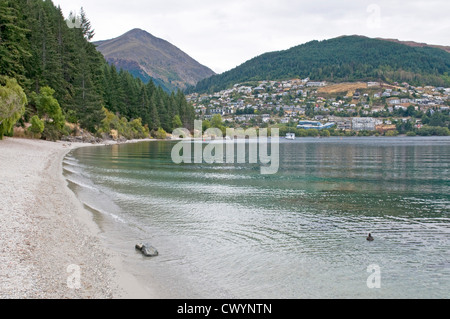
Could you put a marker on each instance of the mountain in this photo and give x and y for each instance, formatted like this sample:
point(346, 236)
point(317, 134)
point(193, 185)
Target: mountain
point(149, 57)
point(343, 59)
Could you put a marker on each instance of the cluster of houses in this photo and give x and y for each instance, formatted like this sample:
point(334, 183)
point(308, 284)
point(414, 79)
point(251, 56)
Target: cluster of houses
point(283, 101)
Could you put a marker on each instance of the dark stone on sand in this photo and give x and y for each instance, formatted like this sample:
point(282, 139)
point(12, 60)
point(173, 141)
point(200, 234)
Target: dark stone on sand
point(147, 250)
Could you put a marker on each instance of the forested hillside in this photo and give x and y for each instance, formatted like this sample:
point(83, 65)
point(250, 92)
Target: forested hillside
point(40, 50)
point(343, 59)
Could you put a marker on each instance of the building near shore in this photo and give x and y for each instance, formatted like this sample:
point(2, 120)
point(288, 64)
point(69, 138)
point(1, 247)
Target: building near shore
point(342, 123)
point(363, 124)
point(309, 125)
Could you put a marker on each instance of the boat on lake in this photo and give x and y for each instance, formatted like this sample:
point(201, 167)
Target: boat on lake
point(290, 136)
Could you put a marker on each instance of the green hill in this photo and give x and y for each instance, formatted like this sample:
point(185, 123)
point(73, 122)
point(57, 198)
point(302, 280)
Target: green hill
point(347, 58)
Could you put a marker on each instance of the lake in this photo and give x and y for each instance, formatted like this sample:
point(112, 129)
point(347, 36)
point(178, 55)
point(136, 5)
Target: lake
point(227, 231)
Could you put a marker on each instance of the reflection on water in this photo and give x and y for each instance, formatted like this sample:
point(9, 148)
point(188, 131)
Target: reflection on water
point(228, 231)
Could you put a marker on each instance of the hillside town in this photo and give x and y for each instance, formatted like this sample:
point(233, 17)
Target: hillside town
point(352, 107)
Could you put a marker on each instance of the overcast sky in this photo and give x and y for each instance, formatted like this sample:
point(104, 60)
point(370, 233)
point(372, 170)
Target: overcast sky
point(225, 34)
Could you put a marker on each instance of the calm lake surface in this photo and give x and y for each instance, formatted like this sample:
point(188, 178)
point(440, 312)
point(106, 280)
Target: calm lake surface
point(226, 231)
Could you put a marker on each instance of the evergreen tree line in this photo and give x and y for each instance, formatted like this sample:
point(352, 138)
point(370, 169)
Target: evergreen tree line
point(40, 50)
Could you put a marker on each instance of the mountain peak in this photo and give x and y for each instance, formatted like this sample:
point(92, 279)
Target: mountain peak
point(138, 32)
point(149, 57)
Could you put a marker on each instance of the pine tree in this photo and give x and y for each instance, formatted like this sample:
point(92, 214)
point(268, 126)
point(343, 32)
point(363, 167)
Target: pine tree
point(86, 26)
point(87, 98)
point(13, 43)
point(154, 122)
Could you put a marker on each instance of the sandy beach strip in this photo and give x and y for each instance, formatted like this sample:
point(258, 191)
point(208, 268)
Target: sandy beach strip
point(50, 246)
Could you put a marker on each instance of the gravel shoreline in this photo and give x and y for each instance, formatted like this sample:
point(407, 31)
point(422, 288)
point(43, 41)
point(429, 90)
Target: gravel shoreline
point(49, 244)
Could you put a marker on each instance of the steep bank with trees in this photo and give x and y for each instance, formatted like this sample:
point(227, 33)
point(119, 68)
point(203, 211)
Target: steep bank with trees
point(45, 54)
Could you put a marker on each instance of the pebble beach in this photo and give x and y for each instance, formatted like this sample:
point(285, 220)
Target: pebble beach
point(50, 246)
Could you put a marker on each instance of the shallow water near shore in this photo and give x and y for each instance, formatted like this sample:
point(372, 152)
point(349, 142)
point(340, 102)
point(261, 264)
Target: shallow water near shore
point(226, 231)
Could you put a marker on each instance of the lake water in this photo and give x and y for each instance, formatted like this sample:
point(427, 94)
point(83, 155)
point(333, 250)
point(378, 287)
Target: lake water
point(226, 231)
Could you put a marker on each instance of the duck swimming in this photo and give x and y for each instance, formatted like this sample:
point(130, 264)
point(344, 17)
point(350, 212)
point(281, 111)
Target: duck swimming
point(370, 238)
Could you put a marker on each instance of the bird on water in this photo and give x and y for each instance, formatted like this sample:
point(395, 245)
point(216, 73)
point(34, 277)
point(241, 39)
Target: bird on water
point(370, 238)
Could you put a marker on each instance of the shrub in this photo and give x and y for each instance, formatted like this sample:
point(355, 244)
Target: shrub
point(160, 134)
point(434, 131)
point(116, 127)
point(313, 133)
point(37, 127)
point(325, 133)
point(48, 107)
point(391, 133)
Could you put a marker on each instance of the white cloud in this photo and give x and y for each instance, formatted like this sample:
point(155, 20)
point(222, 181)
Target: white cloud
point(224, 34)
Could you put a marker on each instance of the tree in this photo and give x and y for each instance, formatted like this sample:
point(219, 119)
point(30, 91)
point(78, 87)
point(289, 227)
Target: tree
point(49, 109)
point(216, 122)
point(13, 42)
point(206, 125)
point(37, 126)
point(309, 110)
point(86, 27)
point(325, 133)
point(411, 111)
point(129, 130)
point(154, 115)
point(161, 134)
point(12, 104)
point(313, 133)
point(176, 122)
point(391, 133)
point(138, 130)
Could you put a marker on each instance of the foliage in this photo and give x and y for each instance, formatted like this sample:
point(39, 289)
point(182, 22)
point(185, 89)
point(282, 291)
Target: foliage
point(40, 50)
point(206, 125)
point(436, 119)
point(344, 59)
point(12, 104)
point(49, 109)
point(160, 134)
point(126, 129)
point(246, 110)
point(325, 133)
point(13, 41)
point(37, 126)
point(217, 122)
point(313, 133)
point(131, 98)
point(177, 123)
point(433, 131)
point(391, 133)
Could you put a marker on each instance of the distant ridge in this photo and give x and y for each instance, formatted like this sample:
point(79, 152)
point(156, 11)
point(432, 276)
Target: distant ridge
point(343, 59)
point(148, 57)
point(418, 44)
